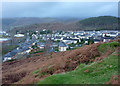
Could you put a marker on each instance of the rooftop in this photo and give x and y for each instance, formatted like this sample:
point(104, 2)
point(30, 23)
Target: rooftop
point(62, 44)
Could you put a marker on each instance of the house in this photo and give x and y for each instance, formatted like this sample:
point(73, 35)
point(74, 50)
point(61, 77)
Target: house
point(6, 59)
point(113, 34)
point(19, 35)
point(107, 39)
point(106, 35)
point(86, 41)
point(62, 46)
point(10, 55)
point(81, 36)
point(6, 41)
point(34, 37)
point(7, 56)
point(57, 38)
point(41, 45)
point(118, 34)
point(70, 40)
point(51, 50)
point(54, 44)
point(97, 40)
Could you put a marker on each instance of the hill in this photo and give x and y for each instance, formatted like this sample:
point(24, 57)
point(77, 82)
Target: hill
point(11, 23)
point(100, 23)
point(94, 23)
point(95, 73)
point(96, 59)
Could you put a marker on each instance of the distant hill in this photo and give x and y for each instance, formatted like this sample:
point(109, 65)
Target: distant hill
point(10, 23)
point(101, 22)
point(93, 23)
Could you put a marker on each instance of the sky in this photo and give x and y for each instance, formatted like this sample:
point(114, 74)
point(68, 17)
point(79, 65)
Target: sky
point(59, 9)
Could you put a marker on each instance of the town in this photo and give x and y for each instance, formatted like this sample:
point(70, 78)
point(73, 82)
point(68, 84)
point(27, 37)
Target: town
point(35, 43)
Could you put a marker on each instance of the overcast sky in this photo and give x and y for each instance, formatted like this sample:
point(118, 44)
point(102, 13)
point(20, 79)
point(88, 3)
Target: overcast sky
point(59, 9)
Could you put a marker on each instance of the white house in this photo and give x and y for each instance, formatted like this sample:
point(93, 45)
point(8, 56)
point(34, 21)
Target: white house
point(105, 34)
point(113, 34)
point(69, 40)
point(57, 38)
point(41, 45)
point(86, 41)
point(19, 35)
point(107, 39)
point(62, 46)
point(34, 37)
point(97, 40)
point(6, 59)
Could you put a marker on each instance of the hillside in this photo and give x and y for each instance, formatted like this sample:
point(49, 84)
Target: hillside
point(100, 59)
point(93, 23)
point(11, 23)
point(100, 23)
point(95, 73)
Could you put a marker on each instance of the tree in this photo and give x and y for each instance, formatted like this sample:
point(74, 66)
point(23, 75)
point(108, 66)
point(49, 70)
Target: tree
point(82, 41)
point(72, 45)
point(58, 41)
point(49, 31)
point(17, 31)
point(78, 42)
point(90, 41)
point(60, 32)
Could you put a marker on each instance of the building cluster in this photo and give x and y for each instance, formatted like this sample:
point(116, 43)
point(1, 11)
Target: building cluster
point(58, 41)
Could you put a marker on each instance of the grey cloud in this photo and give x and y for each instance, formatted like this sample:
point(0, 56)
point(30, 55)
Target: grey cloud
point(59, 9)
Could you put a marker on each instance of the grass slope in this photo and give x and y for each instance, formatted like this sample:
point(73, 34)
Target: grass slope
point(95, 73)
point(108, 46)
point(98, 73)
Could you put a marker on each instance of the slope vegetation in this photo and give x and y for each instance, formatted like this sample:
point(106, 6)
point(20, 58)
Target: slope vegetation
point(98, 72)
point(95, 73)
point(32, 70)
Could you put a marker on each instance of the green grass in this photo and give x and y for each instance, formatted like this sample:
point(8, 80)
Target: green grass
point(99, 73)
point(105, 47)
